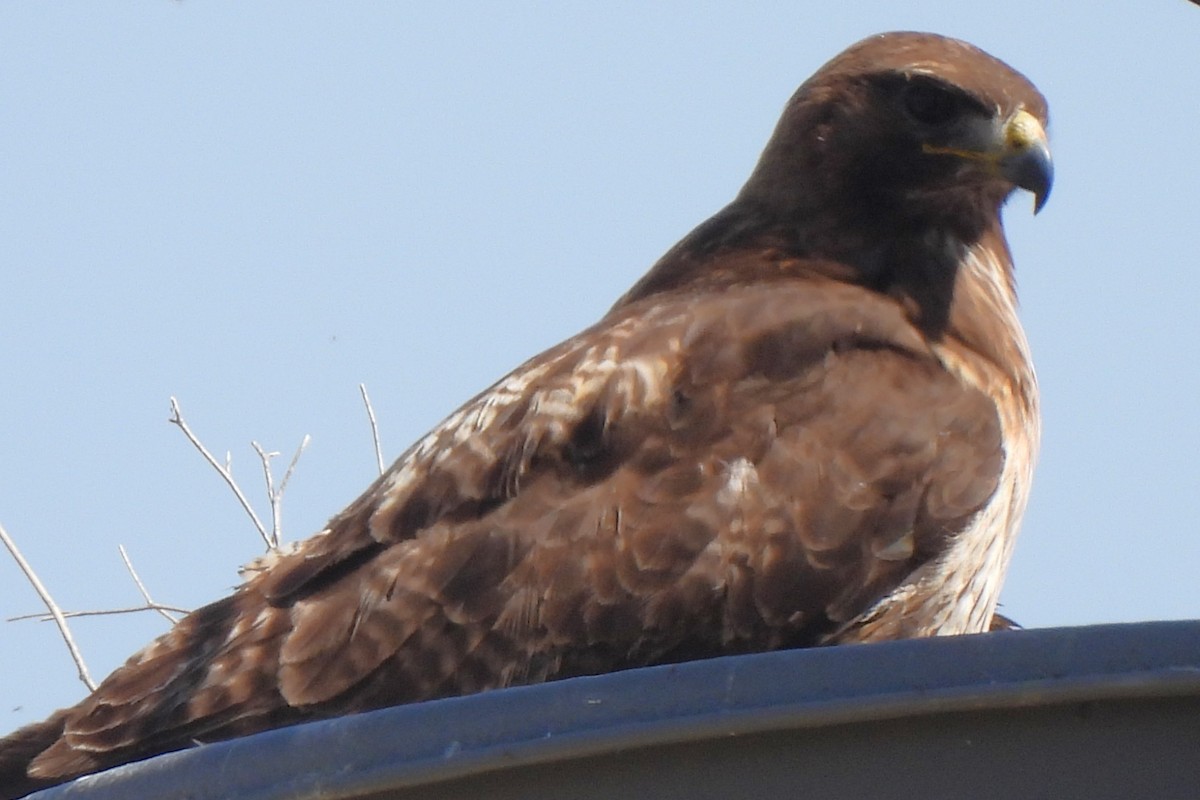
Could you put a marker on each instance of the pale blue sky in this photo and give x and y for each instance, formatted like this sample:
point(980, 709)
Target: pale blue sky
point(256, 206)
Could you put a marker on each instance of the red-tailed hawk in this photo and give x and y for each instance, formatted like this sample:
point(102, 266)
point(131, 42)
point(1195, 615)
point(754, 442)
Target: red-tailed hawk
point(813, 421)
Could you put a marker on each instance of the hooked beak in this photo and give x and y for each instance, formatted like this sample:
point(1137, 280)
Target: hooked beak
point(1024, 157)
point(1016, 149)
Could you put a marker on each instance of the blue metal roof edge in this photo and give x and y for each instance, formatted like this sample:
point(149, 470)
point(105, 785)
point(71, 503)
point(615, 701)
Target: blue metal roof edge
point(428, 742)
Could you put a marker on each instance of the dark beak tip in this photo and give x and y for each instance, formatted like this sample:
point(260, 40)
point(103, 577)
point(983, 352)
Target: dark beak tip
point(1040, 198)
point(1034, 172)
point(1044, 170)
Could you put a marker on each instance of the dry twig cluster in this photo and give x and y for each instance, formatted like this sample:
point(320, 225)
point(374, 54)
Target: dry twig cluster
point(272, 537)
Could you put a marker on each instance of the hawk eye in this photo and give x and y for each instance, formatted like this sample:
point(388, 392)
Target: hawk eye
point(929, 104)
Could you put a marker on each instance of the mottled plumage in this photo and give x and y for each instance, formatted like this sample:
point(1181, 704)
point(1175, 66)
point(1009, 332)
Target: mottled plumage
point(812, 422)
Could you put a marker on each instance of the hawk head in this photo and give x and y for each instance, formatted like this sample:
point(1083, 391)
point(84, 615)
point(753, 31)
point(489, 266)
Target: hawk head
point(905, 130)
point(886, 164)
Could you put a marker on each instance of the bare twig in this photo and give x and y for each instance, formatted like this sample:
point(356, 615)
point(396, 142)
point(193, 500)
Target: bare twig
point(275, 496)
point(106, 612)
point(287, 475)
point(55, 612)
point(150, 604)
point(265, 458)
point(224, 471)
point(362, 388)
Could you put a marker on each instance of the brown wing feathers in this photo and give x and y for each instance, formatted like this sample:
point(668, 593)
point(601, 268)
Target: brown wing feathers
point(764, 444)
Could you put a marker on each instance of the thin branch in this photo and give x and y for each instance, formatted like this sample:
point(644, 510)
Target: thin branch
point(287, 475)
point(275, 496)
point(265, 458)
point(55, 612)
point(362, 388)
point(150, 604)
point(156, 607)
point(224, 471)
